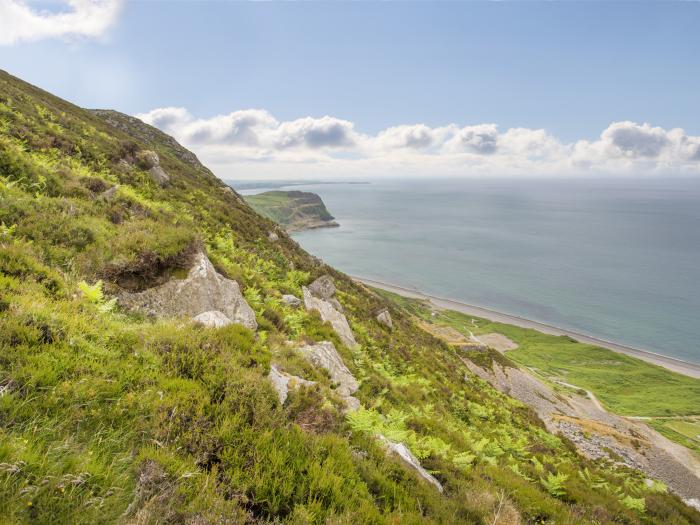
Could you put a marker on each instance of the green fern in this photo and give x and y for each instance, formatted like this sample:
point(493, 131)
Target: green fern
point(95, 295)
point(554, 484)
point(637, 504)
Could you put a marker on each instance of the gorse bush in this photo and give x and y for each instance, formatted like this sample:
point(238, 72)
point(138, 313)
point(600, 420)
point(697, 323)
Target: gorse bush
point(107, 416)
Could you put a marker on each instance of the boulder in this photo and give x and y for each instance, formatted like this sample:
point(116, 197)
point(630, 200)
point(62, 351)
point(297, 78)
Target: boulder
point(110, 193)
point(324, 355)
point(283, 382)
point(291, 300)
point(331, 314)
point(159, 176)
point(149, 160)
point(323, 287)
point(384, 317)
point(273, 237)
point(410, 460)
point(212, 319)
point(203, 290)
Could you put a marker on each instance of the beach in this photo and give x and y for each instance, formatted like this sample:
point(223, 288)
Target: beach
point(670, 363)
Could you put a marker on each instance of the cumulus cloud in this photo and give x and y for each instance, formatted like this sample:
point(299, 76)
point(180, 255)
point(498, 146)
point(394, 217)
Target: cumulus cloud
point(634, 140)
point(482, 139)
point(84, 18)
point(328, 145)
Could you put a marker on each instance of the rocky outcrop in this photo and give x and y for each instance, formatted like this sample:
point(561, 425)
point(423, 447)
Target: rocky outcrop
point(150, 161)
point(283, 382)
point(323, 287)
point(324, 355)
point(212, 319)
point(319, 296)
point(273, 237)
point(204, 292)
point(291, 300)
point(410, 460)
point(384, 317)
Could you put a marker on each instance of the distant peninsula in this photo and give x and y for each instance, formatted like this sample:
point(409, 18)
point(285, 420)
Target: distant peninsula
point(293, 210)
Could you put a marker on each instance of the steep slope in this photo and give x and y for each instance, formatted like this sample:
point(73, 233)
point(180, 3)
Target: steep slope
point(294, 210)
point(109, 415)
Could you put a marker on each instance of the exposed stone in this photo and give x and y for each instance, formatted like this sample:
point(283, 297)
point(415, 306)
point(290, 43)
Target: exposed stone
point(272, 236)
point(212, 319)
point(329, 313)
point(323, 287)
point(283, 382)
point(291, 300)
point(384, 317)
point(325, 355)
point(159, 176)
point(110, 193)
point(409, 459)
point(204, 290)
point(148, 159)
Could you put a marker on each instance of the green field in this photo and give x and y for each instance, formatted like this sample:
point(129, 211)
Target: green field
point(623, 384)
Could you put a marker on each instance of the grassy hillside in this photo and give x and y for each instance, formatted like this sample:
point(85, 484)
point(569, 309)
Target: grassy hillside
point(107, 416)
point(294, 210)
point(625, 385)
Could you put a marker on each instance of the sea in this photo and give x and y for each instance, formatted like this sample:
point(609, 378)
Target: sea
point(617, 258)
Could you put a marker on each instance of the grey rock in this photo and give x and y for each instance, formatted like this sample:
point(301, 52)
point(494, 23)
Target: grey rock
point(202, 291)
point(212, 319)
point(148, 159)
point(409, 459)
point(159, 176)
point(291, 300)
point(110, 193)
point(323, 287)
point(324, 355)
point(384, 317)
point(330, 313)
point(272, 236)
point(283, 382)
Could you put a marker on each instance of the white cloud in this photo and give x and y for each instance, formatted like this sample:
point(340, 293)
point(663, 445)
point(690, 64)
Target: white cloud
point(84, 18)
point(256, 142)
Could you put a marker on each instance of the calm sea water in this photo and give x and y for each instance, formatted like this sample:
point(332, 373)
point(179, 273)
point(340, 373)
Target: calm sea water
point(616, 259)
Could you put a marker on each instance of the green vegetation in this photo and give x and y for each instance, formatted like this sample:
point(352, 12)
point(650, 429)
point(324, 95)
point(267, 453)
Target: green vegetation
point(614, 378)
point(294, 210)
point(683, 431)
point(107, 416)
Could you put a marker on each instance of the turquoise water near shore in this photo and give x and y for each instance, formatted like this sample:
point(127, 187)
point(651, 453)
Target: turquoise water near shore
point(617, 259)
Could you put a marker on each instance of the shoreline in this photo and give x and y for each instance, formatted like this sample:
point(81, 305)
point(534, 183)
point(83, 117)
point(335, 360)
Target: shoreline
point(670, 363)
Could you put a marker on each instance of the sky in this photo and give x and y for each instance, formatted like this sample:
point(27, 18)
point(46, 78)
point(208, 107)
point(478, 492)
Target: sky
point(361, 90)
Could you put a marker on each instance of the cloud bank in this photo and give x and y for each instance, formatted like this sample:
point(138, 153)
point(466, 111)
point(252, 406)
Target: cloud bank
point(253, 142)
point(83, 18)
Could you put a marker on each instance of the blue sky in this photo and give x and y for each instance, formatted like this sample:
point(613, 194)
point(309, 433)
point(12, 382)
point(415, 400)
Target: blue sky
point(569, 68)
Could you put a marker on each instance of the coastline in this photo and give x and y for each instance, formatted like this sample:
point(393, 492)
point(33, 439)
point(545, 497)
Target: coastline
point(670, 363)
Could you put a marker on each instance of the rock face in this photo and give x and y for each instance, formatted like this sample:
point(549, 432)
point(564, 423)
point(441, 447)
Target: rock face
point(323, 287)
point(325, 355)
point(204, 292)
point(409, 459)
point(150, 161)
point(384, 317)
point(319, 296)
point(212, 319)
point(329, 313)
point(291, 300)
point(283, 382)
